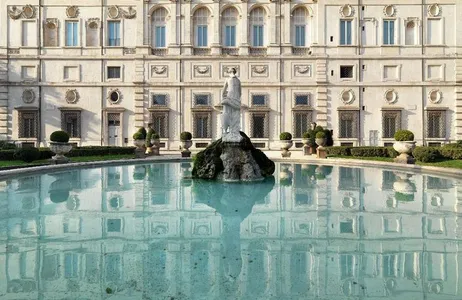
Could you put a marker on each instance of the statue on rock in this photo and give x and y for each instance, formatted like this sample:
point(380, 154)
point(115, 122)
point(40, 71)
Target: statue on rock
point(231, 101)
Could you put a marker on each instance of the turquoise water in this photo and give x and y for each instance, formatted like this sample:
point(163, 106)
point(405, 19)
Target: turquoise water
point(143, 232)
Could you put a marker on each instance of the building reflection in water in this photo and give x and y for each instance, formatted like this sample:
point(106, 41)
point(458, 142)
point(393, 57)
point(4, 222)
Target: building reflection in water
point(149, 232)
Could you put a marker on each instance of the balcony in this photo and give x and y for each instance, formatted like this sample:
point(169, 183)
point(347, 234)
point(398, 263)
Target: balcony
point(301, 50)
point(257, 51)
point(159, 51)
point(202, 51)
point(230, 51)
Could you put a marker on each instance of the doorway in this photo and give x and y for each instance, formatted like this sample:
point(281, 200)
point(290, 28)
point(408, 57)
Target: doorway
point(113, 126)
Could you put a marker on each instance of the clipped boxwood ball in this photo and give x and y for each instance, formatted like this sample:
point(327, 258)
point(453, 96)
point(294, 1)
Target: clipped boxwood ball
point(59, 136)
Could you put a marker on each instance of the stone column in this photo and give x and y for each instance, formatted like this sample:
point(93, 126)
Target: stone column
point(244, 32)
point(215, 40)
point(187, 28)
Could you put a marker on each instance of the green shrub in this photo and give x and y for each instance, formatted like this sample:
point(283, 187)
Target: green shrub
point(5, 145)
point(392, 152)
point(312, 137)
point(285, 136)
point(459, 143)
point(320, 135)
point(404, 135)
point(149, 137)
point(28, 154)
point(426, 154)
point(369, 152)
point(329, 140)
point(185, 136)
point(404, 197)
point(451, 152)
point(306, 135)
point(320, 176)
point(143, 131)
point(138, 136)
point(339, 151)
point(318, 128)
point(453, 145)
point(59, 136)
point(155, 136)
point(7, 155)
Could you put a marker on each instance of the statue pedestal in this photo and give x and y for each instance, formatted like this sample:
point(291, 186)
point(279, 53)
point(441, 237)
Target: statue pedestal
point(238, 163)
point(321, 152)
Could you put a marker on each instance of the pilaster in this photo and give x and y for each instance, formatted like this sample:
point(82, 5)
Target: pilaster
point(3, 100)
point(215, 42)
point(321, 92)
point(458, 99)
point(285, 43)
point(187, 29)
point(244, 23)
point(139, 93)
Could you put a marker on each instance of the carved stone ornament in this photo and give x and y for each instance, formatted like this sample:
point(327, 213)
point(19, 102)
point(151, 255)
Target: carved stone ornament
point(72, 96)
point(434, 10)
point(227, 69)
point(302, 69)
point(72, 12)
point(114, 96)
point(159, 69)
point(347, 96)
point(259, 69)
point(202, 69)
point(346, 10)
point(93, 23)
point(389, 10)
point(391, 96)
point(52, 23)
point(435, 96)
point(27, 12)
point(115, 12)
point(28, 96)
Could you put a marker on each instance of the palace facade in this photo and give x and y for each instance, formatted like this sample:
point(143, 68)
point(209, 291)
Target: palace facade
point(100, 69)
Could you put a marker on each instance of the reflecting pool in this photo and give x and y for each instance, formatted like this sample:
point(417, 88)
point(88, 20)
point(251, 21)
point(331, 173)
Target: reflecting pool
point(311, 232)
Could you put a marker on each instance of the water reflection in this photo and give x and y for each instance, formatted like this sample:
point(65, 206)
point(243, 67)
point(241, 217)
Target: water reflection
point(149, 232)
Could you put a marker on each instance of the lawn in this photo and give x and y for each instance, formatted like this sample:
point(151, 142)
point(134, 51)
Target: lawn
point(14, 163)
point(443, 163)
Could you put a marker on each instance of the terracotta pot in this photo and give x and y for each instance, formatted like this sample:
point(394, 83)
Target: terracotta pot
point(60, 149)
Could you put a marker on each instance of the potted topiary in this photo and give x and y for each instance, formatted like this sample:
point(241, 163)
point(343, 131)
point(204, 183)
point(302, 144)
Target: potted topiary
point(186, 143)
point(148, 142)
point(404, 145)
point(139, 137)
point(59, 144)
point(286, 143)
point(306, 142)
point(403, 187)
point(285, 175)
point(321, 138)
point(155, 140)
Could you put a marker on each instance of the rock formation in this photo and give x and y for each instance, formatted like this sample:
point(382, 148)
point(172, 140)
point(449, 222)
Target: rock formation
point(232, 161)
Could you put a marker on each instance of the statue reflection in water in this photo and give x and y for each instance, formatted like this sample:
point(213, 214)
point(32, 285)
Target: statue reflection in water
point(234, 202)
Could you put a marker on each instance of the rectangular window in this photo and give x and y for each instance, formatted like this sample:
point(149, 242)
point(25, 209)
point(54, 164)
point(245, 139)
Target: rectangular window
point(434, 72)
point(201, 129)
point(258, 99)
point(345, 32)
point(390, 265)
point(159, 122)
point(70, 122)
point(114, 33)
point(388, 32)
point(230, 36)
point(257, 36)
point(348, 124)
point(28, 72)
point(347, 263)
point(301, 100)
point(29, 35)
point(202, 36)
point(300, 35)
point(159, 99)
point(302, 120)
point(349, 179)
point(346, 71)
point(258, 125)
point(160, 36)
point(71, 263)
point(114, 225)
point(72, 36)
point(28, 124)
point(436, 124)
point(201, 99)
point(113, 73)
point(71, 73)
point(391, 122)
point(390, 73)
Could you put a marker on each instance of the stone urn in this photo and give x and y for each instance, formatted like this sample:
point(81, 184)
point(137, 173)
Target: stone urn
point(285, 146)
point(60, 149)
point(404, 148)
point(184, 146)
point(139, 143)
point(306, 146)
point(285, 175)
point(403, 187)
point(155, 146)
point(139, 151)
point(321, 142)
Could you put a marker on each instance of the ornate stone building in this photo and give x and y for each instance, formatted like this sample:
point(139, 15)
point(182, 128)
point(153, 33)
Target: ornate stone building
point(100, 69)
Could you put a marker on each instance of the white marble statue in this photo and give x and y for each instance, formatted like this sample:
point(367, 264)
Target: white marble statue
point(231, 101)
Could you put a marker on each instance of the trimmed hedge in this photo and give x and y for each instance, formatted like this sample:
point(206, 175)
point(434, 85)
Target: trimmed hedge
point(45, 153)
point(339, 151)
point(28, 154)
point(362, 151)
point(451, 152)
point(426, 154)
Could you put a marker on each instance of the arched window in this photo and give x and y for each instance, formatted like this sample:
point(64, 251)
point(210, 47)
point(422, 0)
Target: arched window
point(257, 27)
point(228, 27)
point(201, 17)
point(299, 27)
point(159, 23)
